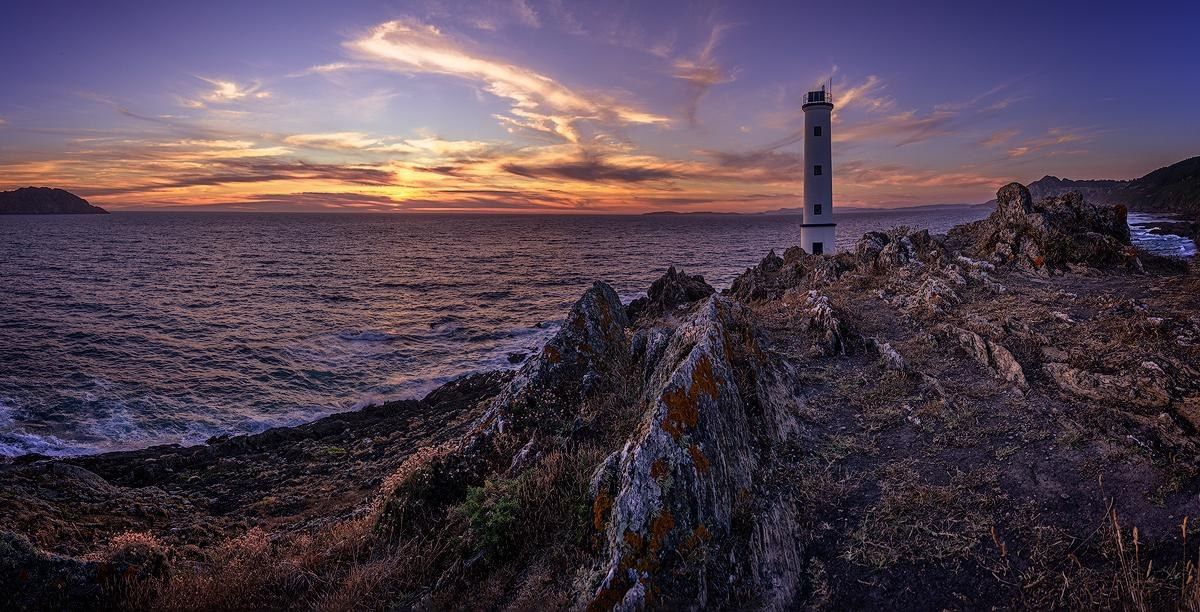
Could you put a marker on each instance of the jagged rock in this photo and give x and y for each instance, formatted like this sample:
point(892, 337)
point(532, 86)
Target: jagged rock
point(667, 502)
point(571, 365)
point(823, 321)
point(668, 292)
point(584, 359)
point(774, 275)
point(647, 347)
point(892, 360)
point(760, 282)
point(1049, 234)
point(1147, 387)
point(931, 296)
point(991, 355)
point(882, 251)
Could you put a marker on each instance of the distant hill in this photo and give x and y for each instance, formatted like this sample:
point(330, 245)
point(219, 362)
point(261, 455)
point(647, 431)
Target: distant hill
point(838, 209)
point(1175, 188)
point(45, 201)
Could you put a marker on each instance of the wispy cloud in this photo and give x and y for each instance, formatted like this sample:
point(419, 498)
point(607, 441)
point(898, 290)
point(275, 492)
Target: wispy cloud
point(539, 102)
point(526, 14)
point(1053, 138)
point(998, 138)
point(701, 72)
point(226, 91)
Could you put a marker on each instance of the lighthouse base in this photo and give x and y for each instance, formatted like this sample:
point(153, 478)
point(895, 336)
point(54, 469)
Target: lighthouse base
point(819, 238)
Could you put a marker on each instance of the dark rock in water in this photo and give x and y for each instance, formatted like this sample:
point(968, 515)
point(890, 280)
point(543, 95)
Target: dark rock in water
point(670, 291)
point(1049, 234)
point(45, 201)
point(516, 357)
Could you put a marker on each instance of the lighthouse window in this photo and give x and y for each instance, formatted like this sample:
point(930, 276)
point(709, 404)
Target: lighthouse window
point(816, 209)
point(816, 130)
point(818, 248)
point(816, 170)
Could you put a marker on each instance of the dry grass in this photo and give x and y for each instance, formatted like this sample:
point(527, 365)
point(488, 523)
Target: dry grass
point(916, 521)
point(354, 566)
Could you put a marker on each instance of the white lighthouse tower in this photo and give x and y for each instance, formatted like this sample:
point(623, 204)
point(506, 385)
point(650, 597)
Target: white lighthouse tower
point(819, 232)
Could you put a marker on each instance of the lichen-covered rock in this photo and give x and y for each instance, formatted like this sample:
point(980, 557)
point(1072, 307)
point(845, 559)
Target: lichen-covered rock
point(1049, 234)
point(991, 355)
point(670, 291)
point(666, 503)
point(1146, 386)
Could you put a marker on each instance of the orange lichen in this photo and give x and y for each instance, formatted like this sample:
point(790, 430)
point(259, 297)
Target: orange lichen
point(1039, 261)
point(699, 535)
point(698, 458)
point(683, 411)
point(551, 354)
point(658, 469)
point(633, 540)
point(659, 528)
point(600, 509)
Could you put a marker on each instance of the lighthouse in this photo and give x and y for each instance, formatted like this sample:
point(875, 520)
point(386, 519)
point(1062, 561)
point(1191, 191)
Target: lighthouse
point(819, 232)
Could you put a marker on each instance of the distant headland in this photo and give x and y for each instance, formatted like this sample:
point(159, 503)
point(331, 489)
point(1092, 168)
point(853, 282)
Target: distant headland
point(45, 201)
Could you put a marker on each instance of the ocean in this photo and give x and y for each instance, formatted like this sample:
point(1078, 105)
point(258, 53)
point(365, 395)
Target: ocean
point(133, 329)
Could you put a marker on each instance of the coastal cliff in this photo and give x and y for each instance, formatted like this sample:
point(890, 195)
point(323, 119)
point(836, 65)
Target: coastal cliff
point(45, 201)
point(978, 419)
point(1172, 189)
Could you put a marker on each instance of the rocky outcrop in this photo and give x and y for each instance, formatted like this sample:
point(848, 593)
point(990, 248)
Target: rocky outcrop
point(670, 291)
point(45, 201)
point(576, 363)
point(668, 502)
point(879, 252)
point(1048, 234)
point(775, 275)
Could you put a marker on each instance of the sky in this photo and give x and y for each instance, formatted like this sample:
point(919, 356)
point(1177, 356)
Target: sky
point(593, 107)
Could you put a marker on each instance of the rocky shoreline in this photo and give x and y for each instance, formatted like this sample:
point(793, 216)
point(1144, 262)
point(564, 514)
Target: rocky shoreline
point(970, 420)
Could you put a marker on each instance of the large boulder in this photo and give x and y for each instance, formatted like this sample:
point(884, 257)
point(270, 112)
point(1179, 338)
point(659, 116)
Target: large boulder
point(1049, 234)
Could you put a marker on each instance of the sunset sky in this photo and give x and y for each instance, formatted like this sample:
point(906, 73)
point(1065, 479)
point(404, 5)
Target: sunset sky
point(552, 105)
